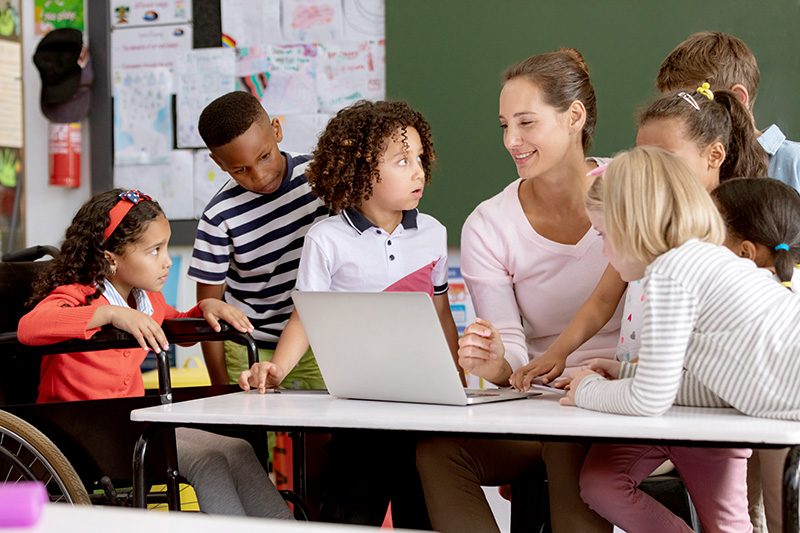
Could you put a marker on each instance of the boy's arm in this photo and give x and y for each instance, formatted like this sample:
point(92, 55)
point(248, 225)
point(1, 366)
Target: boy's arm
point(595, 312)
point(442, 304)
point(213, 351)
point(291, 347)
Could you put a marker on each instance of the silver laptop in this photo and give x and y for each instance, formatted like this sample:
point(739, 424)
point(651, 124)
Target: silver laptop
point(386, 346)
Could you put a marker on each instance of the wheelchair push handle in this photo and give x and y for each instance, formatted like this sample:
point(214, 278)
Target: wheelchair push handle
point(30, 254)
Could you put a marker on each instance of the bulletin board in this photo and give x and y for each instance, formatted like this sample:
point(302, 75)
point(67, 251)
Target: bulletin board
point(165, 61)
point(445, 58)
point(11, 128)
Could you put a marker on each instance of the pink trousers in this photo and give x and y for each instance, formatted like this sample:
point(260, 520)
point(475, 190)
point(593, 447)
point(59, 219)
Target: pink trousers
point(716, 479)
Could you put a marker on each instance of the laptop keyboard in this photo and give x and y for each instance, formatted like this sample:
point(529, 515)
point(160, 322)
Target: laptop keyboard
point(481, 393)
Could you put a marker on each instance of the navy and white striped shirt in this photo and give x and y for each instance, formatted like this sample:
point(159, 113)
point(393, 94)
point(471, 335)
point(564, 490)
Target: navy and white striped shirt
point(252, 242)
point(717, 331)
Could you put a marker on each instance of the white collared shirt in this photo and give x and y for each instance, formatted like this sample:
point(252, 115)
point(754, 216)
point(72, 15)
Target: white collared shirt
point(115, 298)
point(349, 253)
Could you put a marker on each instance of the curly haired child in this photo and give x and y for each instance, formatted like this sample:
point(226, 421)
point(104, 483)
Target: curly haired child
point(371, 166)
point(113, 263)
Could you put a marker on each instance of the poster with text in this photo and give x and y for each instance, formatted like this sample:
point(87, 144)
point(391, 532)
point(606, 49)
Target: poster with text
point(203, 75)
point(128, 13)
point(149, 48)
point(348, 72)
point(50, 15)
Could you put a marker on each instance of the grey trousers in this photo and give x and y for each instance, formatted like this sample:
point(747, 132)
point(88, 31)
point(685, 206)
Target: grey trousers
point(227, 476)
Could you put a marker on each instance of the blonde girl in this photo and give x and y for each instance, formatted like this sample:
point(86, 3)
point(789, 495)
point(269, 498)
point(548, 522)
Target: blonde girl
point(708, 339)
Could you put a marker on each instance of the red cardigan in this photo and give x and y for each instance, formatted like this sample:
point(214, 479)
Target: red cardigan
point(63, 315)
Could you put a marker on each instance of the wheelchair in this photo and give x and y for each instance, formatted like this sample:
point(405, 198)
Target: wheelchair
point(75, 448)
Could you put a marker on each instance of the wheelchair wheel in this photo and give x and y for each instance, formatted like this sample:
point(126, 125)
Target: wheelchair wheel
point(26, 454)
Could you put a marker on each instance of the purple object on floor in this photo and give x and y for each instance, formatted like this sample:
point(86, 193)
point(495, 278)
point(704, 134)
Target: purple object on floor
point(21, 503)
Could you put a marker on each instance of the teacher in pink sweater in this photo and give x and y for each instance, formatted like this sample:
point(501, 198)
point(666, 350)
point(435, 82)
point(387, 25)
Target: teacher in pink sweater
point(530, 258)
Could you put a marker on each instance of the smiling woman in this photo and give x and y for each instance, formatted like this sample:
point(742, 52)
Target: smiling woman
point(528, 252)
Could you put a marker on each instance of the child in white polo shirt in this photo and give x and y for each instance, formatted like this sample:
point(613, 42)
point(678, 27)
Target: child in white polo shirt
point(370, 166)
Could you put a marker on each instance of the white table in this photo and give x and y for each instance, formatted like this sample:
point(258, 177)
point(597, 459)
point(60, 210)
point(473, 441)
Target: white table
point(81, 519)
point(540, 417)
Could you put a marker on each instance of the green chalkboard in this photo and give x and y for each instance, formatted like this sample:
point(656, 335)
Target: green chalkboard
point(445, 58)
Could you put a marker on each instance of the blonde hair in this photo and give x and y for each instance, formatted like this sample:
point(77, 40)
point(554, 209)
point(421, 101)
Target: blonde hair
point(652, 202)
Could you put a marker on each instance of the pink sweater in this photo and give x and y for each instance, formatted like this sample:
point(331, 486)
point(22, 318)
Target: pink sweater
point(512, 271)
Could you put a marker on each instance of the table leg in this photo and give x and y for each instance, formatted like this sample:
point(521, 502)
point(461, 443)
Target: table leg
point(791, 483)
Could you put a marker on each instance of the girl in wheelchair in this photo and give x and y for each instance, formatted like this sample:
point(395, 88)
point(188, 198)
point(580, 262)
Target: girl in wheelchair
point(113, 263)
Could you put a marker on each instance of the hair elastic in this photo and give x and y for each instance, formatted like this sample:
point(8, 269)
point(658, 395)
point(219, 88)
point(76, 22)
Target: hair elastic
point(782, 246)
point(705, 90)
point(128, 199)
point(786, 284)
point(689, 98)
point(597, 171)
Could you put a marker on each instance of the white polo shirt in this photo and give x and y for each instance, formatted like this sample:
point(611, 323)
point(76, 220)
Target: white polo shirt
point(347, 252)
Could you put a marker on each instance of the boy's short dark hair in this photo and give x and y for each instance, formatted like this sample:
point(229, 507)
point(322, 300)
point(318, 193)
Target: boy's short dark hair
point(229, 116)
point(346, 159)
point(718, 58)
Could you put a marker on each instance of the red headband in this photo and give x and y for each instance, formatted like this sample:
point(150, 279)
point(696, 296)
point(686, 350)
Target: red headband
point(128, 199)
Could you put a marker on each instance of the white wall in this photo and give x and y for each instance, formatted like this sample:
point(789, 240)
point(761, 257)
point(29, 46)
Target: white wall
point(47, 210)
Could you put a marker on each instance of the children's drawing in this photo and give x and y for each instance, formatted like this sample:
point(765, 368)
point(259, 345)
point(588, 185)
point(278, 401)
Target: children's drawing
point(250, 22)
point(364, 19)
point(312, 20)
point(203, 75)
point(142, 116)
point(170, 182)
point(282, 77)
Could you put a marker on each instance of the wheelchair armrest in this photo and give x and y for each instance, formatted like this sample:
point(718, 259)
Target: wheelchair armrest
point(183, 330)
point(178, 330)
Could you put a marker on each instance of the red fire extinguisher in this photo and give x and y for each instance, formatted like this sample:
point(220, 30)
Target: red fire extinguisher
point(65, 154)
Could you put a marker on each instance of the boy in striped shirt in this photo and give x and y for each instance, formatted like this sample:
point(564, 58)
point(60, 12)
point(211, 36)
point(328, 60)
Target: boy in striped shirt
point(250, 236)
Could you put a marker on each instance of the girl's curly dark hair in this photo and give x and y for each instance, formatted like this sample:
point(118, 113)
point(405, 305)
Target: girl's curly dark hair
point(82, 258)
point(346, 159)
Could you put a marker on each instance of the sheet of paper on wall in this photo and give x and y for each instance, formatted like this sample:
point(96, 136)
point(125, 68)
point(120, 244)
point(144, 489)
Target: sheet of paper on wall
point(364, 19)
point(346, 73)
point(208, 180)
point(149, 48)
point(10, 94)
point(283, 77)
point(203, 75)
point(142, 116)
point(301, 132)
point(169, 184)
point(125, 13)
point(312, 21)
point(250, 22)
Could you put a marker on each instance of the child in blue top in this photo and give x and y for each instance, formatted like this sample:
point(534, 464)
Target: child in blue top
point(370, 167)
